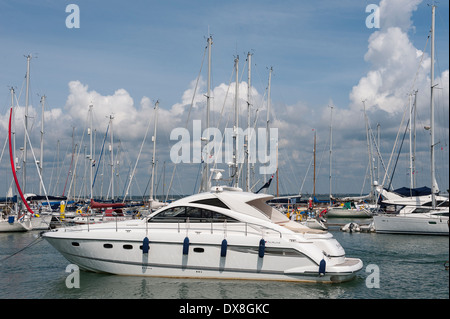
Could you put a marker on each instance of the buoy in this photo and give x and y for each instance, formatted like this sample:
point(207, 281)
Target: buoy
point(262, 247)
point(322, 267)
point(186, 246)
point(223, 248)
point(145, 246)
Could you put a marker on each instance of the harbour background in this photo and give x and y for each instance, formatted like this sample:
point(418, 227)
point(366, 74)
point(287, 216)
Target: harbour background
point(410, 267)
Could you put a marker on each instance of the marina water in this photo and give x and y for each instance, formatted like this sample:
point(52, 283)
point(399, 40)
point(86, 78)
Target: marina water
point(407, 266)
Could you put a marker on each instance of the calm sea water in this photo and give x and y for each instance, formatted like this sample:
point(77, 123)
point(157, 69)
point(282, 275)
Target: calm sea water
point(410, 267)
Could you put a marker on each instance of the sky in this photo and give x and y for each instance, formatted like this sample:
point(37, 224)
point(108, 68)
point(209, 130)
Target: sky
point(125, 56)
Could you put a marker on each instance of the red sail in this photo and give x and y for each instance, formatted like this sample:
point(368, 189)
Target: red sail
point(14, 168)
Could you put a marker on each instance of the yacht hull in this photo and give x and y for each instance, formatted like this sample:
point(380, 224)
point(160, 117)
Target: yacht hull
point(338, 212)
point(420, 225)
point(16, 226)
point(42, 222)
point(116, 254)
point(11, 227)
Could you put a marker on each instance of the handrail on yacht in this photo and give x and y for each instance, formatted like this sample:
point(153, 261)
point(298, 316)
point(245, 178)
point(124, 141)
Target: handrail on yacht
point(188, 227)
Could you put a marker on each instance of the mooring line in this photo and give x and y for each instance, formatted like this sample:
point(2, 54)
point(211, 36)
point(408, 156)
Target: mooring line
point(34, 242)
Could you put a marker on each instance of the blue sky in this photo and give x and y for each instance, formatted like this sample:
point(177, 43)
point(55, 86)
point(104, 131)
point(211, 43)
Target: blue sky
point(153, 50)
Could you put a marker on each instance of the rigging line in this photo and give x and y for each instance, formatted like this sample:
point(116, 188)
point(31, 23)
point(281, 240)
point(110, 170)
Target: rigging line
point(76, 161)
point(59, 169)
point(71, 161)
point(53, 168)
point(374, 141)
point(196, 86)
point(4, 146)
point(34, 242)
point(221, 116)
point(189, 115)
point(100, 158)
point(306, 175)
point(420, 63)
point(386, 175)
point(137, 160)
point(365, 177)
point(398, 155)
point(35, 162)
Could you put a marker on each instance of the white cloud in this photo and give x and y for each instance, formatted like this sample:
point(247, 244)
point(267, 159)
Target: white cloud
point(397, 13)
point(397, 69)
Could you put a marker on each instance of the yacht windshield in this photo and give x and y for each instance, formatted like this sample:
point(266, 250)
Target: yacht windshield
point(182, 214)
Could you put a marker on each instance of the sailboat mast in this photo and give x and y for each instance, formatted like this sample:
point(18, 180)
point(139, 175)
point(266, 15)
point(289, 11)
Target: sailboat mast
point(331, 146)
point(249, 73)
point(208, 109)
point(13, 127)
point(236, 124)
point(268, 111)
point(24, 167)
point(154, 151)
point(41, 160)
point(414, 140)
point(91, 158)
point(434, 187)
point(369, 148)
point(314, 175)
point(111, 117)
point(411, 178)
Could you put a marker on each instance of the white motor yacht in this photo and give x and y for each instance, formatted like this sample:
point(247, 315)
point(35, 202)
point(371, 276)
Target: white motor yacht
point(224, 234)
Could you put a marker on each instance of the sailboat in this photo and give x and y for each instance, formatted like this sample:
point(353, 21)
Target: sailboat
point(153, 202)
point(21, 222)
point(419, 219)
point(348, 207)
point(10, 222)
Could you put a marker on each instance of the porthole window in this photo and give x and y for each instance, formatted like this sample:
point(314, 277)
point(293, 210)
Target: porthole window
point(107, 245)
point(199, 250)
point(74, 243)
point(128, 247)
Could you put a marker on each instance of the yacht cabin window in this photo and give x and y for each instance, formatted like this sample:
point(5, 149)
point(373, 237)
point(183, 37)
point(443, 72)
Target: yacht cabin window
point(181, 214)
point(212, 202)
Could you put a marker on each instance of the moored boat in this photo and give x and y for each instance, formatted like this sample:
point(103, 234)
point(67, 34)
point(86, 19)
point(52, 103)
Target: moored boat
point(222, 234)
point(11, 223)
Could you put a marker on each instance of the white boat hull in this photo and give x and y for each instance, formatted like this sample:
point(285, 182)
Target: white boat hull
point(16, 226)
point(120, 252)
point(42, 222)
point(420, 224)
point(313, 223)
point(348, 213)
